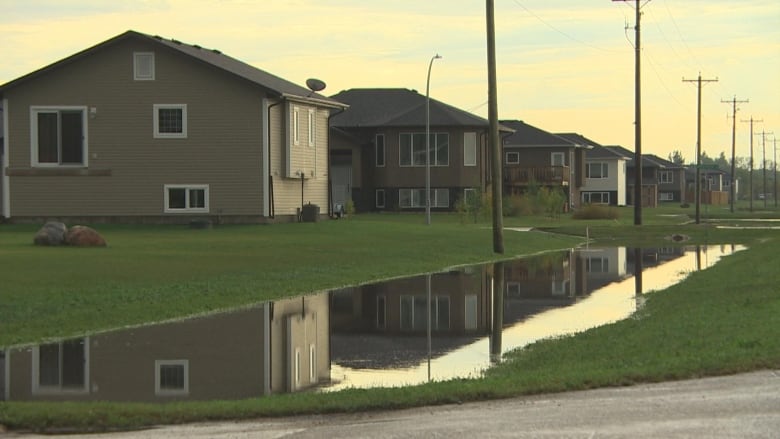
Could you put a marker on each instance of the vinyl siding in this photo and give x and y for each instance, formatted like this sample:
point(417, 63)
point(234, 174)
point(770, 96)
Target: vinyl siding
point(222, 149)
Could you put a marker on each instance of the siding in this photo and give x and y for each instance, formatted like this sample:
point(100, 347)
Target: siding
point(223, 147)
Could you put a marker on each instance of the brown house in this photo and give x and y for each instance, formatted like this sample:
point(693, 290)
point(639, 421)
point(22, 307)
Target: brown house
point(144, 129)
point(662, 180)
point(534, 156)
point(378, 155)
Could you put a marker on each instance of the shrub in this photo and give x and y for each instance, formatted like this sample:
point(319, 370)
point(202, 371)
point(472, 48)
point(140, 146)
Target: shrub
point(596, 211)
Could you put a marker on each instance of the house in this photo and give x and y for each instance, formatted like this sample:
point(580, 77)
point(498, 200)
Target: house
point(144, 129)
point(715, 184)
point(378, 158)
point(605, 173)
point(273, 348)
point(533, 156)
point(662, 180)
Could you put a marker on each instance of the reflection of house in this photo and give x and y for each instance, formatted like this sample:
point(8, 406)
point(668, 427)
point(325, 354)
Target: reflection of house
point(141, 128)
point(605, 173)
point(652, 257)
point(598, 267)
point(533, 156)
point(276, 348)
point(378, 159)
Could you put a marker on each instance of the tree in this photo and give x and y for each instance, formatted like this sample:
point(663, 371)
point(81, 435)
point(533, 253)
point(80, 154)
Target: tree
point(677, 158)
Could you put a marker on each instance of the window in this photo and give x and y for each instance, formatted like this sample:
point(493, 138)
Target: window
point(411, 151)
point(59, 136)
point(297, 367)
point(312, 364)
point(665, 196)
point(469, 149)
point(597, 265)
point(380, 198)
point(471, 312)
point(171, 377)
point(512, 158)
point(558, 159)
point(143, 66)
point(170, 121)
point(415, 198)
point(61, 367)
point(296, 126)
point(414, 316)
point(513, 289)
point(312, 127)
point(379, 150)
point(186, 198)
point(665, 177)
point(596, 170)
point(595, 197)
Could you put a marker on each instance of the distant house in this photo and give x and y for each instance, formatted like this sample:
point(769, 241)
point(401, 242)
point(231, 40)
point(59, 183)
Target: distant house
point(144, 129)
point(378, 158)
point(605, 173)
point(533, 156)
point(715, 185)
point(662, 180)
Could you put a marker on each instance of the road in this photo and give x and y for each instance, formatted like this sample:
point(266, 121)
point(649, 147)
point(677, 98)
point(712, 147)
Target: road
point(736, 406)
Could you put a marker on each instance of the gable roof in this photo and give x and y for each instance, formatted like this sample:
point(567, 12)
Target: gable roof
point(212, 57)
point(595, 150)
point(397, 107)
point(526, 135)
point(648, 160)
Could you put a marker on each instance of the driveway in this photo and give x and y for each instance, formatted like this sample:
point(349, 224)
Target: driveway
point(736, 406)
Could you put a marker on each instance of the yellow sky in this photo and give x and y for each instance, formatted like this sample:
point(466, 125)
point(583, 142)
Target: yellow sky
point(563, 66)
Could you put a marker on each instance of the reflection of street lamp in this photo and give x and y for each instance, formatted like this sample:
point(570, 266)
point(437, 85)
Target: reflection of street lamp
point(428, 143)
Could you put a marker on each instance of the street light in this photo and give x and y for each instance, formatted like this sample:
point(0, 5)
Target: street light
point(428, 143)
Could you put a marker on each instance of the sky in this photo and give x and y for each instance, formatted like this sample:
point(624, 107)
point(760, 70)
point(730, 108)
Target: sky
point(562, 65)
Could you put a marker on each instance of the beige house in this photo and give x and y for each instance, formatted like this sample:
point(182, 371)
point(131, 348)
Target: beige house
point(144, 129)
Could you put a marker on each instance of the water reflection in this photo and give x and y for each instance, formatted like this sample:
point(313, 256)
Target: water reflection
point(407, 331)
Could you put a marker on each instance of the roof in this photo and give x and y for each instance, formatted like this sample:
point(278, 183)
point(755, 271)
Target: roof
point(526, 135)
point(595, 150)
point(215, 58)
point(397, 107)
point(648, 160)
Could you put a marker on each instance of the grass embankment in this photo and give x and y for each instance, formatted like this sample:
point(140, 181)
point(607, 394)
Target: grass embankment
point(721, 320)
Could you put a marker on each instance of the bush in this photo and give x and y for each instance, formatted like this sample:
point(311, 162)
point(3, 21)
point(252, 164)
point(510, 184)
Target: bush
point(596, 211)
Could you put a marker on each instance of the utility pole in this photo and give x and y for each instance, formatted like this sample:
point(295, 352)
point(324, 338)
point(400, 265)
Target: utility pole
point(698, 144)
point(751, 158)
point(734, 103)
point(493, 139)
point(763, 162)
point(637, 117)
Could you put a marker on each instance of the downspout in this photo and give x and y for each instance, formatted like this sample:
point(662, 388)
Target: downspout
point(5, 209)
point(330, 181)
point(271, 212)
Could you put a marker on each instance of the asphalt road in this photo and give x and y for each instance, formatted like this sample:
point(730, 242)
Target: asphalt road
point(737, 406)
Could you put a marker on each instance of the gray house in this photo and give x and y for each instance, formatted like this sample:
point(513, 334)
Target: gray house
point(605, 172)
point(144, 129)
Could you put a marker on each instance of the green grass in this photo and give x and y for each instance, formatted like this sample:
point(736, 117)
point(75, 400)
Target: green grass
point(717, 321)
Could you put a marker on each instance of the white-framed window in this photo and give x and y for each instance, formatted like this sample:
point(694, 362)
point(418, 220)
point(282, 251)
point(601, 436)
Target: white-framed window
point(312, 364)
point(415, 198)
point(380, 198)
point(171, 377)
point(414, 311)
point(512, 157)
point(61, 367)
point(143, 66)
point(471, 312)
point(296, 126)
point(411, 149)
point(379, 150)
point(186, 198)
point(665, 196)
point(596, 170)
point(170, 121)
point(58, 136)
point(597, 265)
point(665, 177)
point(595, 197)
point(470, 196)
point(559, 287)
point(469, 149)
point(312, 126)
point(558, 159)
point(297, 367)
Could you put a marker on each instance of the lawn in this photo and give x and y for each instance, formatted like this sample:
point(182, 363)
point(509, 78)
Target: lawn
point(717, 321)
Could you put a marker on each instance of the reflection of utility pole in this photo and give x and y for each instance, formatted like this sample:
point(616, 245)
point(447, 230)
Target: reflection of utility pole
point(732, 191)
point(498, 312)
point(698, 144)
point(763, 162)
point(637, 119)
point(493, 139)
point(429, 296)
point(774, 139)
point(750, 195)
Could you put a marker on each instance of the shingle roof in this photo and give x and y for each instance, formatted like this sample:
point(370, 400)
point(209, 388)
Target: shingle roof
point(214, 58)
point(529, 136)
point(397, 107)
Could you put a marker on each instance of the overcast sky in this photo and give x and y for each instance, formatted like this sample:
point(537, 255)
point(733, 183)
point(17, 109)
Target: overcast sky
point(563, 65)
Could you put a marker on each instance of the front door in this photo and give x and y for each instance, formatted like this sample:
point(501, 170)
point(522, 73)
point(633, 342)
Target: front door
point(341, 178)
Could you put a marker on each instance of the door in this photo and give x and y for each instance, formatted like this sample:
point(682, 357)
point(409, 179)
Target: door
point(341, 178)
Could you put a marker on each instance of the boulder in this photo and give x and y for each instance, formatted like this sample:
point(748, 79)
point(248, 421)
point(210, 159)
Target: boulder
point(83, 236)
point(52, 233)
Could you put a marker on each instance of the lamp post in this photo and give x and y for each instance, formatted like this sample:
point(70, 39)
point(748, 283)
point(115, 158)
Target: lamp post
point(428, 142)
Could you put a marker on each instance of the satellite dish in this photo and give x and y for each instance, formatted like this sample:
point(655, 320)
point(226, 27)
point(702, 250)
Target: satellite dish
point(315, 85)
